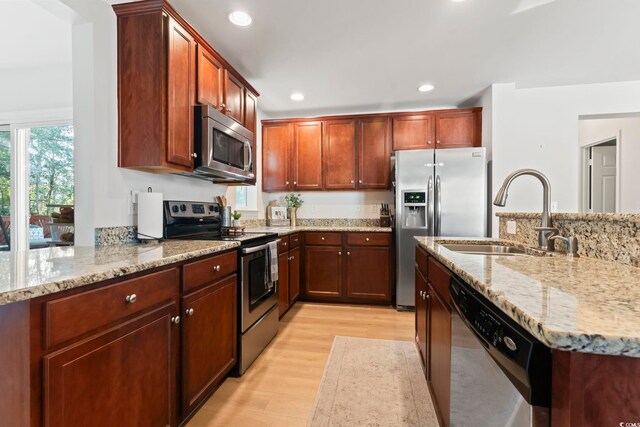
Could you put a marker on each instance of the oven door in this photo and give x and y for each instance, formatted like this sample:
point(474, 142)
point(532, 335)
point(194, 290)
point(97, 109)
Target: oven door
point(258, 294)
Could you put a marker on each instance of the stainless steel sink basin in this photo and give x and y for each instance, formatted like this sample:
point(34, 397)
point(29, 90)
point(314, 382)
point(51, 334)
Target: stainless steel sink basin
point(485, 249)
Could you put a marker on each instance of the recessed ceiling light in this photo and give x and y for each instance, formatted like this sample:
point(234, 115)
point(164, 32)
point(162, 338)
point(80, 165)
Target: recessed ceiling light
point(297, 96)
point(425, 88)
point(240, 18)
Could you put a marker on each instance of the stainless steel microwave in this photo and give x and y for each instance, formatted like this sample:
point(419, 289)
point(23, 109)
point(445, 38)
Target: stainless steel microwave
point(222, 146)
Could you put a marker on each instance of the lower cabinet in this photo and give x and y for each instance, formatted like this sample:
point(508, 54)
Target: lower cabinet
point(124, 376)
point(294, 275)
point(347, 267)
point(288, 272)
point(422, 320)
point(209, 340)
point(283, 283)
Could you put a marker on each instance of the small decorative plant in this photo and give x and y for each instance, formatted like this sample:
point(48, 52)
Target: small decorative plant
point(293, 200)
point(237, 215)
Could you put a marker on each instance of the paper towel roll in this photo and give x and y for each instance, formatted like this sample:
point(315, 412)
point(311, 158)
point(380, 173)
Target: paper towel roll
point(149, 216)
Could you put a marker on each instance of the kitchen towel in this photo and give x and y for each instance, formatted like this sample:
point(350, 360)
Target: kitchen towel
point(150, 216)
point(273, 261)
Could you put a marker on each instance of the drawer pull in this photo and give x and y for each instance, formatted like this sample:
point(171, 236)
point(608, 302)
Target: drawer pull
point(367, 239)
point(175, 320)
point(131, 298)
point(348, 253)
point(189, 312)
point(340, 253)
point(216, 268)
point(284, 244)
point(322, 238)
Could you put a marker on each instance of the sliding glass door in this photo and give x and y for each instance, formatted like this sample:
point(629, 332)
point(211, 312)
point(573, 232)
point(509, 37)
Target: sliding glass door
point(5, 186)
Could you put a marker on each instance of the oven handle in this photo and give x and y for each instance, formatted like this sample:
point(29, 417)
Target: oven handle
point(246, 251)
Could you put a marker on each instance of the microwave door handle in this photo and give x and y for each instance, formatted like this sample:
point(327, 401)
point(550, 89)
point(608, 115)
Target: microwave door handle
point(248, 144)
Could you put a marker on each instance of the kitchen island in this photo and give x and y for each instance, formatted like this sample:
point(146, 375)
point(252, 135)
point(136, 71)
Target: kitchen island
point(585, 310)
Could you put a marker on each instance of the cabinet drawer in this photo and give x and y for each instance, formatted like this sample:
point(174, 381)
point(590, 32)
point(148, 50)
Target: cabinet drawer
point(368, 239)
point(421, 260)
point(75, 315)
point(294, 240)
point(200, 273)
point(283, 244)
point(439, 278)
point(321, 238)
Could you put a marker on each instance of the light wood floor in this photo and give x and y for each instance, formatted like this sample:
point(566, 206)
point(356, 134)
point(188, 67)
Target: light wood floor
point(279, 389)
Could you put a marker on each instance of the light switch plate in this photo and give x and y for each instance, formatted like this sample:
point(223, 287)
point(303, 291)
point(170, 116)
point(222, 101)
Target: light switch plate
point(511, 227)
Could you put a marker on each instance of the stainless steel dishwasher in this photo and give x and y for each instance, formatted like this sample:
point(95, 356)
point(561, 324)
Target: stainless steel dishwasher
point(500, 374)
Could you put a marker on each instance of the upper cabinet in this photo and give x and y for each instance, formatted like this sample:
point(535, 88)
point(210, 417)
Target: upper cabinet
point(413, 132)
point(353, 152)
point(165, 68)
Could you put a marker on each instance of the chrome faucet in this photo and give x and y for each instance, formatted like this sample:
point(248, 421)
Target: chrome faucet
point(545, 231)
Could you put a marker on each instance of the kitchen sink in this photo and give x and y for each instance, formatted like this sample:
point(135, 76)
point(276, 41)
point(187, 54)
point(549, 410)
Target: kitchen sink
point(485, 249)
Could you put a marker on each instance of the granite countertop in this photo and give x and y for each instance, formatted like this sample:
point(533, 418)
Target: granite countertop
point(33, 273)
point(283, 231)
point(580, 304)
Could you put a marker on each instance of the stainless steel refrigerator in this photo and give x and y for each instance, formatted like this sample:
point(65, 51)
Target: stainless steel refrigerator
point(438, 193)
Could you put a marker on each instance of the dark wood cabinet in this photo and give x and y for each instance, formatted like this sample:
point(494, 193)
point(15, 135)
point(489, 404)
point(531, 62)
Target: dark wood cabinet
point(283, 282)
point(422, 320)
point(368, 272)
point(250, 113)
point(209, 337)
point(413, 132)
point(233, 97)
point(323, 271)
point(307, 156)
point(459, 128)
point(276, 155)
point(124, 376)
point(210, 75)
point(294, 275)
point(374, 151)
point(339, 155)
point(439, 323)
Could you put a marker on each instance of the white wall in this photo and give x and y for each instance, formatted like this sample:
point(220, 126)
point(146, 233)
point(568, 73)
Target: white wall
point(103, 189)
point(628, 130)
point(538, 128)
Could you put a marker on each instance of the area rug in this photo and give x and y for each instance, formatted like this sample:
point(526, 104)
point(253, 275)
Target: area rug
point(372, 383)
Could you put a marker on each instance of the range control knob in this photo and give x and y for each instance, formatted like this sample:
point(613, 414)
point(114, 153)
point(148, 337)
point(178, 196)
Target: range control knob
point(183, 207)
point(211, 208)
point(174, 208)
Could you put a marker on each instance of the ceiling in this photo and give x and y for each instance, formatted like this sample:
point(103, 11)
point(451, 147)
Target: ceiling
point(31, 36)
point(371, 55)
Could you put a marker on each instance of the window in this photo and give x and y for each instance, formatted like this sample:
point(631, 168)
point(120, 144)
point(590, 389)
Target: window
point(246, 198)
point(36, 186)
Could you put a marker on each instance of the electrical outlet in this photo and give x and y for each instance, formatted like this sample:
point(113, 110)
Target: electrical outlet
point(511, 227)
point(554, 206)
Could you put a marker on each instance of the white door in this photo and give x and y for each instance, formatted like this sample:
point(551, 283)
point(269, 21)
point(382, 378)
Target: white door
point(603, 180)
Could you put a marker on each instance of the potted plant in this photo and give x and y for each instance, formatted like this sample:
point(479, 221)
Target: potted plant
point(236, 218)
point(293, 203)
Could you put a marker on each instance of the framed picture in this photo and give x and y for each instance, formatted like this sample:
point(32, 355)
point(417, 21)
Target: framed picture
point(279, 213)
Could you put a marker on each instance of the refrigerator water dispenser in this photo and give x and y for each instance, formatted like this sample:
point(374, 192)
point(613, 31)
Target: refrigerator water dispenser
point(414, 209)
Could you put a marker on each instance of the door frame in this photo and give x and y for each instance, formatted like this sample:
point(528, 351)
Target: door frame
point(584, 167)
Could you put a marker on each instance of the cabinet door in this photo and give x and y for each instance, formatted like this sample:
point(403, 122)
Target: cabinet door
point(180, 95)
point(413, 132)
point(233, 97)
point(374, 151)
point(276, 149)
point(323, 271)
point(209, 336)
point(250, 105)
point(422, 319)
point(125, 376)
point(307, 156)
point(368, 273)
point(283, 282)
point(439, 353)
point(457, 129)
point(210, 75)
point(339, 155)
point(294, 275)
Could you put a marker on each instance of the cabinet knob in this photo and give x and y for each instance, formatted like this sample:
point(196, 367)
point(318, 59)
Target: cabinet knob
point(322, 238)
point(175, 320)
point(340, 253)
point(420, 293)
point(287, 182)
point(295, 182)
point(228, 110)
point(352, 181)
point(189, 312)
point(292, 258)
point(425, 296)
point(216, 268)
point(222, 106)
point(131, 298)
point(430, 142)
point(348, 253)
point(284, 244)
point(438, 142)
point(366, 239)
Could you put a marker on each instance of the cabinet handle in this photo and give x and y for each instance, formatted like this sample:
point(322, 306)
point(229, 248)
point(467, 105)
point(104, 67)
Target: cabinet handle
point(360, 181)
point(322, 238)
point(430, 142)
point(438, 142)
point(295, 182)
point(131, 298)
point(366, 239)
point(228, 110)
point(340, 253)
point(189, 312)
point(194, 155)
point(287, 182)
point(216, 268)
point(292, 258)
point(352, 181)
point(175, 320)
point(420, 293)
point(222, 106)
point(348, 253)
point(425, 296)
point(284, 244)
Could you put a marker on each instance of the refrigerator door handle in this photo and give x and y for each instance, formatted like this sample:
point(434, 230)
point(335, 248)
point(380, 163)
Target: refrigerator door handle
point(438, 219)
point(430, 205)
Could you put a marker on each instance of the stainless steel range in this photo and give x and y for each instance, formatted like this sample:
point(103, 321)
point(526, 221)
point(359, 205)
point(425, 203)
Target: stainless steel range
point(257, 292)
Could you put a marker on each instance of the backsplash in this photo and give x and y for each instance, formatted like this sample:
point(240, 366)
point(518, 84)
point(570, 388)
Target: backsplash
point(611, 237)
point(127, 234)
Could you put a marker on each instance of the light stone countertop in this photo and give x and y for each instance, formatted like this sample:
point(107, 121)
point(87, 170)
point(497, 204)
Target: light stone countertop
point(283, 231)
point(580, 304)
point(30, 274)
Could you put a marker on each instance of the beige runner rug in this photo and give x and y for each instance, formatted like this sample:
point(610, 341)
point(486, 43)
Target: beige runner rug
point(371, 383)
